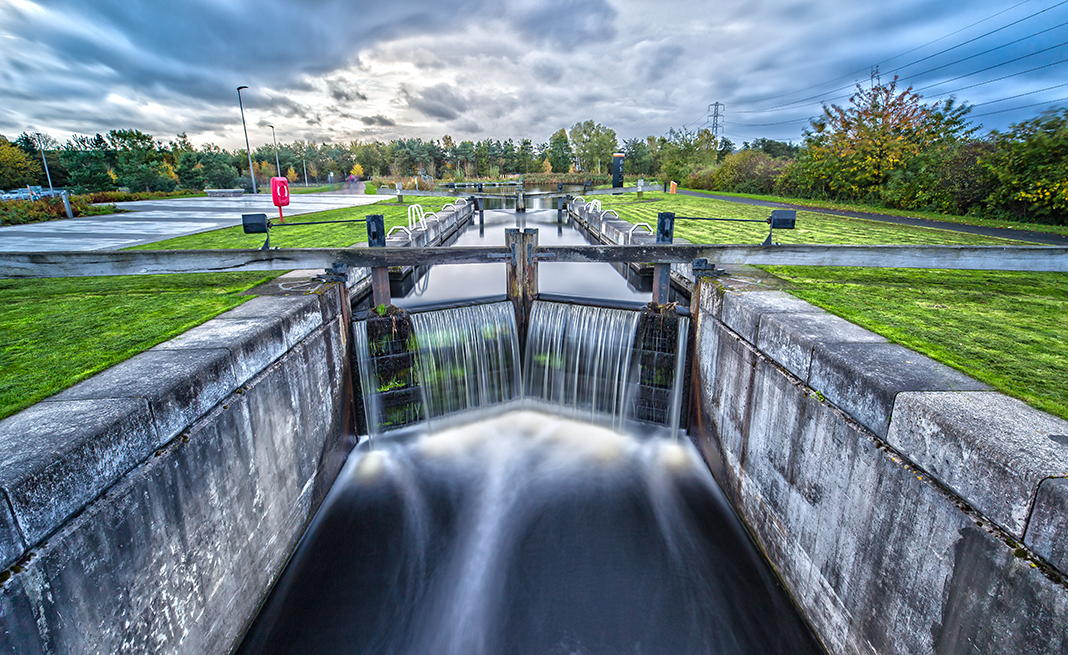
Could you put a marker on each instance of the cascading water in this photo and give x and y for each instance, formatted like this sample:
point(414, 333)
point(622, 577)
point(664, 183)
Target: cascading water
point(578, 361)
point(467, 358)
point(527, 534)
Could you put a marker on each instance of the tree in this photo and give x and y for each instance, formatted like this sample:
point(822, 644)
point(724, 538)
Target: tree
point(854, 151)
point(1031, 164)
point(559, 152)
point(16, 167)
point(638, 160)
point(594, 145)
point(772, 148)
point(356, 171)
point(291, 174)
point(524, 157)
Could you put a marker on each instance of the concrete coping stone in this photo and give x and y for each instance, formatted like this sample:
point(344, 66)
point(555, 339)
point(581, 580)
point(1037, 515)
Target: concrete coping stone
point(789, 338)
point(253, 342)
point(992, 450)
point(864, 378)
point(300, 315)
point(57, 456)
point(1047, 531)
point(179, 385)
point(742, 311)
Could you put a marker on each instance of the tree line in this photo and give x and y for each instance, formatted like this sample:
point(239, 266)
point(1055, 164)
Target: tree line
point(886, 147)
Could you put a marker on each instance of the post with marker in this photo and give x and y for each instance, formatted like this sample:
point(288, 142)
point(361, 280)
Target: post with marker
point(280, 195)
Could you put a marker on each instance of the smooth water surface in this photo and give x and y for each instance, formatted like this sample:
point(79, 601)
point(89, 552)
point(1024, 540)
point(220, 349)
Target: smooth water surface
point(466, 281)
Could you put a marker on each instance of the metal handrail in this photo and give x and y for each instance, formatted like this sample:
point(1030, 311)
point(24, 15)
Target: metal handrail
point(630, 233)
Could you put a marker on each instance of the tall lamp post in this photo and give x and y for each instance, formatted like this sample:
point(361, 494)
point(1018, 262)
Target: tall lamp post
point(248, 149)
point(277, 166)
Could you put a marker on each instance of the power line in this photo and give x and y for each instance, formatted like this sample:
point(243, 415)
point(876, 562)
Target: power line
point(981, 36)
point(821, 95)
point(998, 65)
point(1036, 104)
point(986, 52)
point(782, 95)
point(1020, 95)
point(996, 79)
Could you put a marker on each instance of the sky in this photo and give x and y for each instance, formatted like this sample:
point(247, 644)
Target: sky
point(339, 70)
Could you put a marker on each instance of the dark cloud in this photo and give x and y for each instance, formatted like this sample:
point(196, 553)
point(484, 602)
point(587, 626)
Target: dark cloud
point(343, 92)
point(518, 69)
point(438, 101)
point(378, 119)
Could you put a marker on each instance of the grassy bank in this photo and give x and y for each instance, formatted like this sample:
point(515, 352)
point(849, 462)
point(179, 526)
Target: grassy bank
point(335, 235)
point(1002, 328)
point(812, 226)
point(1005, 329)
point(54, 333)
point(871, 209)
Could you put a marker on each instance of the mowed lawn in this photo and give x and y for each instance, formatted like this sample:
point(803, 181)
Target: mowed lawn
point(1006, 329)
point(57, 332)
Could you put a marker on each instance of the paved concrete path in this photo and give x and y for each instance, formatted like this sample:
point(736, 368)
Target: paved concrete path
point(156, 220)
point(1044, 238)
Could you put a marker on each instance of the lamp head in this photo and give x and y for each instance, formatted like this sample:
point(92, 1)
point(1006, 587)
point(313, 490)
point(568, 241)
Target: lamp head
point(241, 87)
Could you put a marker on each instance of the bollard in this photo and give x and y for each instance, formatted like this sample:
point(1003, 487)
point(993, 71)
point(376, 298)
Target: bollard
point(641, 185)
point(400, 195)
point(665, 233)
point(617, 170)
point(376, 238)
point(520, 201)
point(66, 204)
point(522, 278)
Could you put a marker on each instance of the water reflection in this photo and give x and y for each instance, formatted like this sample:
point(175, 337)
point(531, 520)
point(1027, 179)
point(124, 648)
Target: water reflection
point(465, 281)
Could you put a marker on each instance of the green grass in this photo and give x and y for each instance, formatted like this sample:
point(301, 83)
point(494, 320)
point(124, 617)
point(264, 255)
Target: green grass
point(56, 332)
point(1005, 329)
point(872, 209)
point(812, 227)
point(293, 190)
point(335, 235)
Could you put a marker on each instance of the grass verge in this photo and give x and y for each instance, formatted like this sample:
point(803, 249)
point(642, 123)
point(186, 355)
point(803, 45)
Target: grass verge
point(1006, 329)
point(872, 209)
point(57, 332)
point(812, 227)
point(333, 235)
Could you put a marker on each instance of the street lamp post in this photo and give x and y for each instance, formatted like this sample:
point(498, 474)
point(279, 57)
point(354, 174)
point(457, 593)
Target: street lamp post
point(277, 165)
point(305, 162)
point(248, 149)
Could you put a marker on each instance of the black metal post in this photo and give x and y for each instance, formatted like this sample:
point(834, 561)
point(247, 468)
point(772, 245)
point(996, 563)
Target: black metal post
point(376, 238)
point(665, 233)
point(617, 170)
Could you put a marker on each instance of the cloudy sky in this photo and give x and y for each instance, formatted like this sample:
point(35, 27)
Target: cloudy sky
point(336, 70)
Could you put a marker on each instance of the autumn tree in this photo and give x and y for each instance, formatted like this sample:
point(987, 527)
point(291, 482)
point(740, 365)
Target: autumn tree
point(1030, 163)
point(16, 167)
point(855, 151)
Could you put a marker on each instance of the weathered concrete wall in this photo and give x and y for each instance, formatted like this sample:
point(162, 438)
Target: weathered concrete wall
point(907, 508)
point(150, 508)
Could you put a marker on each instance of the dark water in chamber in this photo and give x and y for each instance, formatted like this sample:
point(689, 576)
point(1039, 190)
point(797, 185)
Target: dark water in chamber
point(463, 281)
point(527, 534)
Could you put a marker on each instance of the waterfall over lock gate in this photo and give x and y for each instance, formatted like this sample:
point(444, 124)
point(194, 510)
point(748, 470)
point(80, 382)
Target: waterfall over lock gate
point(603, 365)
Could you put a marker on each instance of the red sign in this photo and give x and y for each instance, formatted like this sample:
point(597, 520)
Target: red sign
point(280, 191)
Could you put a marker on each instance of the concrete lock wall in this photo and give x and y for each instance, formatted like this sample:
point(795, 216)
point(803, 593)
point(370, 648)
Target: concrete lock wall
point(907, 508)
point(150, 508)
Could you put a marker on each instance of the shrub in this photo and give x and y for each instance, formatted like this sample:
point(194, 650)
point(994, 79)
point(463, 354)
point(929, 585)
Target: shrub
point(19, 212)
point(1031, 166)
